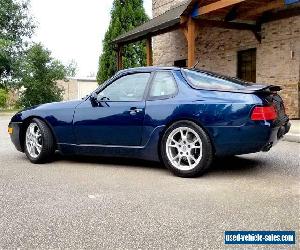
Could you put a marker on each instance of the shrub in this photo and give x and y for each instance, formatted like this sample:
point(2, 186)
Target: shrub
point(3, 98)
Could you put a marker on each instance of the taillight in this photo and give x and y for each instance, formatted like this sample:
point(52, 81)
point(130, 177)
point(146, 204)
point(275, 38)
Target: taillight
point(264, 113)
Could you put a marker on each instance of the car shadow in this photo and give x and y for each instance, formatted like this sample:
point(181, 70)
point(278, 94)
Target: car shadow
point(233, 164)
point(117, 161)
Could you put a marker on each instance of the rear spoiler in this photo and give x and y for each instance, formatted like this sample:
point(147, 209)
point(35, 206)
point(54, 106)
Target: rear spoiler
point(269, 89)
point(252, 89)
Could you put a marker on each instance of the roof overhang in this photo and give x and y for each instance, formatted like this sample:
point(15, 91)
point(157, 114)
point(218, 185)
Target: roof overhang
point(160, 24)
point(220, 13)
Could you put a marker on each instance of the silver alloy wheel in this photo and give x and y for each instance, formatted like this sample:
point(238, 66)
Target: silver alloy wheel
point(33, 140)
point(184, 148)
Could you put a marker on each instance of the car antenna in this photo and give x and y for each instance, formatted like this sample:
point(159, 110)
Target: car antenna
point(196, 64)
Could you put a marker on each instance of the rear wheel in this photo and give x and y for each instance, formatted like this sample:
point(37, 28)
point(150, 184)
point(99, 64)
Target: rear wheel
point(39, 143)
point(186, 149)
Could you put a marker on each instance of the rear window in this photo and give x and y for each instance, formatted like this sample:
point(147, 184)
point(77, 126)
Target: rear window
point(208, 80)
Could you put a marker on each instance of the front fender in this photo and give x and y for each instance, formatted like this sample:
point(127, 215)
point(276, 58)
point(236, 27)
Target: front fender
point(58, 116)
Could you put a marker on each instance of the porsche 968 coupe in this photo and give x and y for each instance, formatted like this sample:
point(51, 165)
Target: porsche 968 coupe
point(181, 117)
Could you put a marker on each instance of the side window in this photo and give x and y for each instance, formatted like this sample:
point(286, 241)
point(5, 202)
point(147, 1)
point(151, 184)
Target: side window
point(208, 81)
point(126, 88)
point(163, 85)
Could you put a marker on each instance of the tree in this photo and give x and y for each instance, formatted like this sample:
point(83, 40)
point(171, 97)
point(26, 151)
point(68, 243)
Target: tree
point(39, 76)
point(16, 26)
point(125, 15)
point(3, 98)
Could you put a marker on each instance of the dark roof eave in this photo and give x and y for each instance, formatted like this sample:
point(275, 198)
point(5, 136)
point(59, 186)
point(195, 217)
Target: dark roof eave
point(149, 32)
point(164, 22)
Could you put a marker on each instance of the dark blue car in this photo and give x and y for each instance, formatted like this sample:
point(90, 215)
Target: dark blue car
point(182, 117)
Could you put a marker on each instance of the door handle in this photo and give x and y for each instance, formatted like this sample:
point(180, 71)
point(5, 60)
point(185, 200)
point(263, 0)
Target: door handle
point(134, 111)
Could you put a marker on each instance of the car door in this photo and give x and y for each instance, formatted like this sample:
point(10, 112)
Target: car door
point(116, 118)
point(161, 102)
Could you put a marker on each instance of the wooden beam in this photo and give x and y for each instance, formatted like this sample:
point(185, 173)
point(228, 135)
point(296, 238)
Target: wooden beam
point(149, 51)
point(276, 4)
point(257, 35)
point(217, 5)
point(120, 57)
point(184, 19)
point(183, 25)
point(184, 31)
point(225, 25)
point(191, 37)
point(232, 14)
point(255, 28)
point(281, 14)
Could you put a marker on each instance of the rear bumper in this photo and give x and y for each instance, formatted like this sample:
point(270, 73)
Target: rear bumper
point(283, 130)
point(276, 134)
point(16, 135)
point(250, 138)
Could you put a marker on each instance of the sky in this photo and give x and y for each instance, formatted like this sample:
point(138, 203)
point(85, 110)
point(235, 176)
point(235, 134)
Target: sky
point(74, 29)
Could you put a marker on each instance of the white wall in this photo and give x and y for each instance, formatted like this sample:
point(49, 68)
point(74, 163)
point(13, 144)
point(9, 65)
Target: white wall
point(85, 88)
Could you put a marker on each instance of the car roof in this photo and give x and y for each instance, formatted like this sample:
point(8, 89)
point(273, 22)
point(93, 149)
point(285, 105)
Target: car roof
point(147, 69)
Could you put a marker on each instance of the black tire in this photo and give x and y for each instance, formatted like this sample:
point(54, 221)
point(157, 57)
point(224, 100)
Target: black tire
point(47, 143)
point(207, 151)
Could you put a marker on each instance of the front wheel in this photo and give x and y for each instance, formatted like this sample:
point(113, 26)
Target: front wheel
point(186, 149)
point(38, 143)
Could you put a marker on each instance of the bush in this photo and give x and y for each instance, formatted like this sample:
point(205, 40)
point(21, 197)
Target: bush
point(3, 98)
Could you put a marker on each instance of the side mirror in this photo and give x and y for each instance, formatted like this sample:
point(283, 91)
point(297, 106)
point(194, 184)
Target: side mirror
point(93, 97)
point(102, 99)
point(98, 99)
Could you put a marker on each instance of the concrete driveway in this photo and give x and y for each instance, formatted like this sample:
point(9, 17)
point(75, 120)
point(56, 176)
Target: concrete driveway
point(111, 203)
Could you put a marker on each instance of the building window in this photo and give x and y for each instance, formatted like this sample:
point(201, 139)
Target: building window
point(247, 65)
point(180, 63)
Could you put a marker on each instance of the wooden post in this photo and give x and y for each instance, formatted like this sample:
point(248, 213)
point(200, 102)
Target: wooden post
point(149, 51)
point(119, 57)
point(191, 37)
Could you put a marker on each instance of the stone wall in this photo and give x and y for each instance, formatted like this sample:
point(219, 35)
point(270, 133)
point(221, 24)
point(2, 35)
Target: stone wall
point(278, 54)
point(278, 60)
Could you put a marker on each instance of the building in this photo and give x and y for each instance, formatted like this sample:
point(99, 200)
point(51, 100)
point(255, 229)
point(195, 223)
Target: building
point(256, 40)
point(76, 88)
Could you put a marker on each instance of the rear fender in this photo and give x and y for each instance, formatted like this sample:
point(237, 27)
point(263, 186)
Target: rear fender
point(197, 122)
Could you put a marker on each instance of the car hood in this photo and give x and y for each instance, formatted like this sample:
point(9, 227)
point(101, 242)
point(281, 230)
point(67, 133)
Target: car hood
point(45, 109)
point(55, 105)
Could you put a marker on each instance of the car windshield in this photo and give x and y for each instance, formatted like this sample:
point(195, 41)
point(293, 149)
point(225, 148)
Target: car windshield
point(209, 80)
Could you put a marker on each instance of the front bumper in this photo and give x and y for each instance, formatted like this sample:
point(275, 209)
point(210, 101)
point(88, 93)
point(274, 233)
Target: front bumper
point(16, 135)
